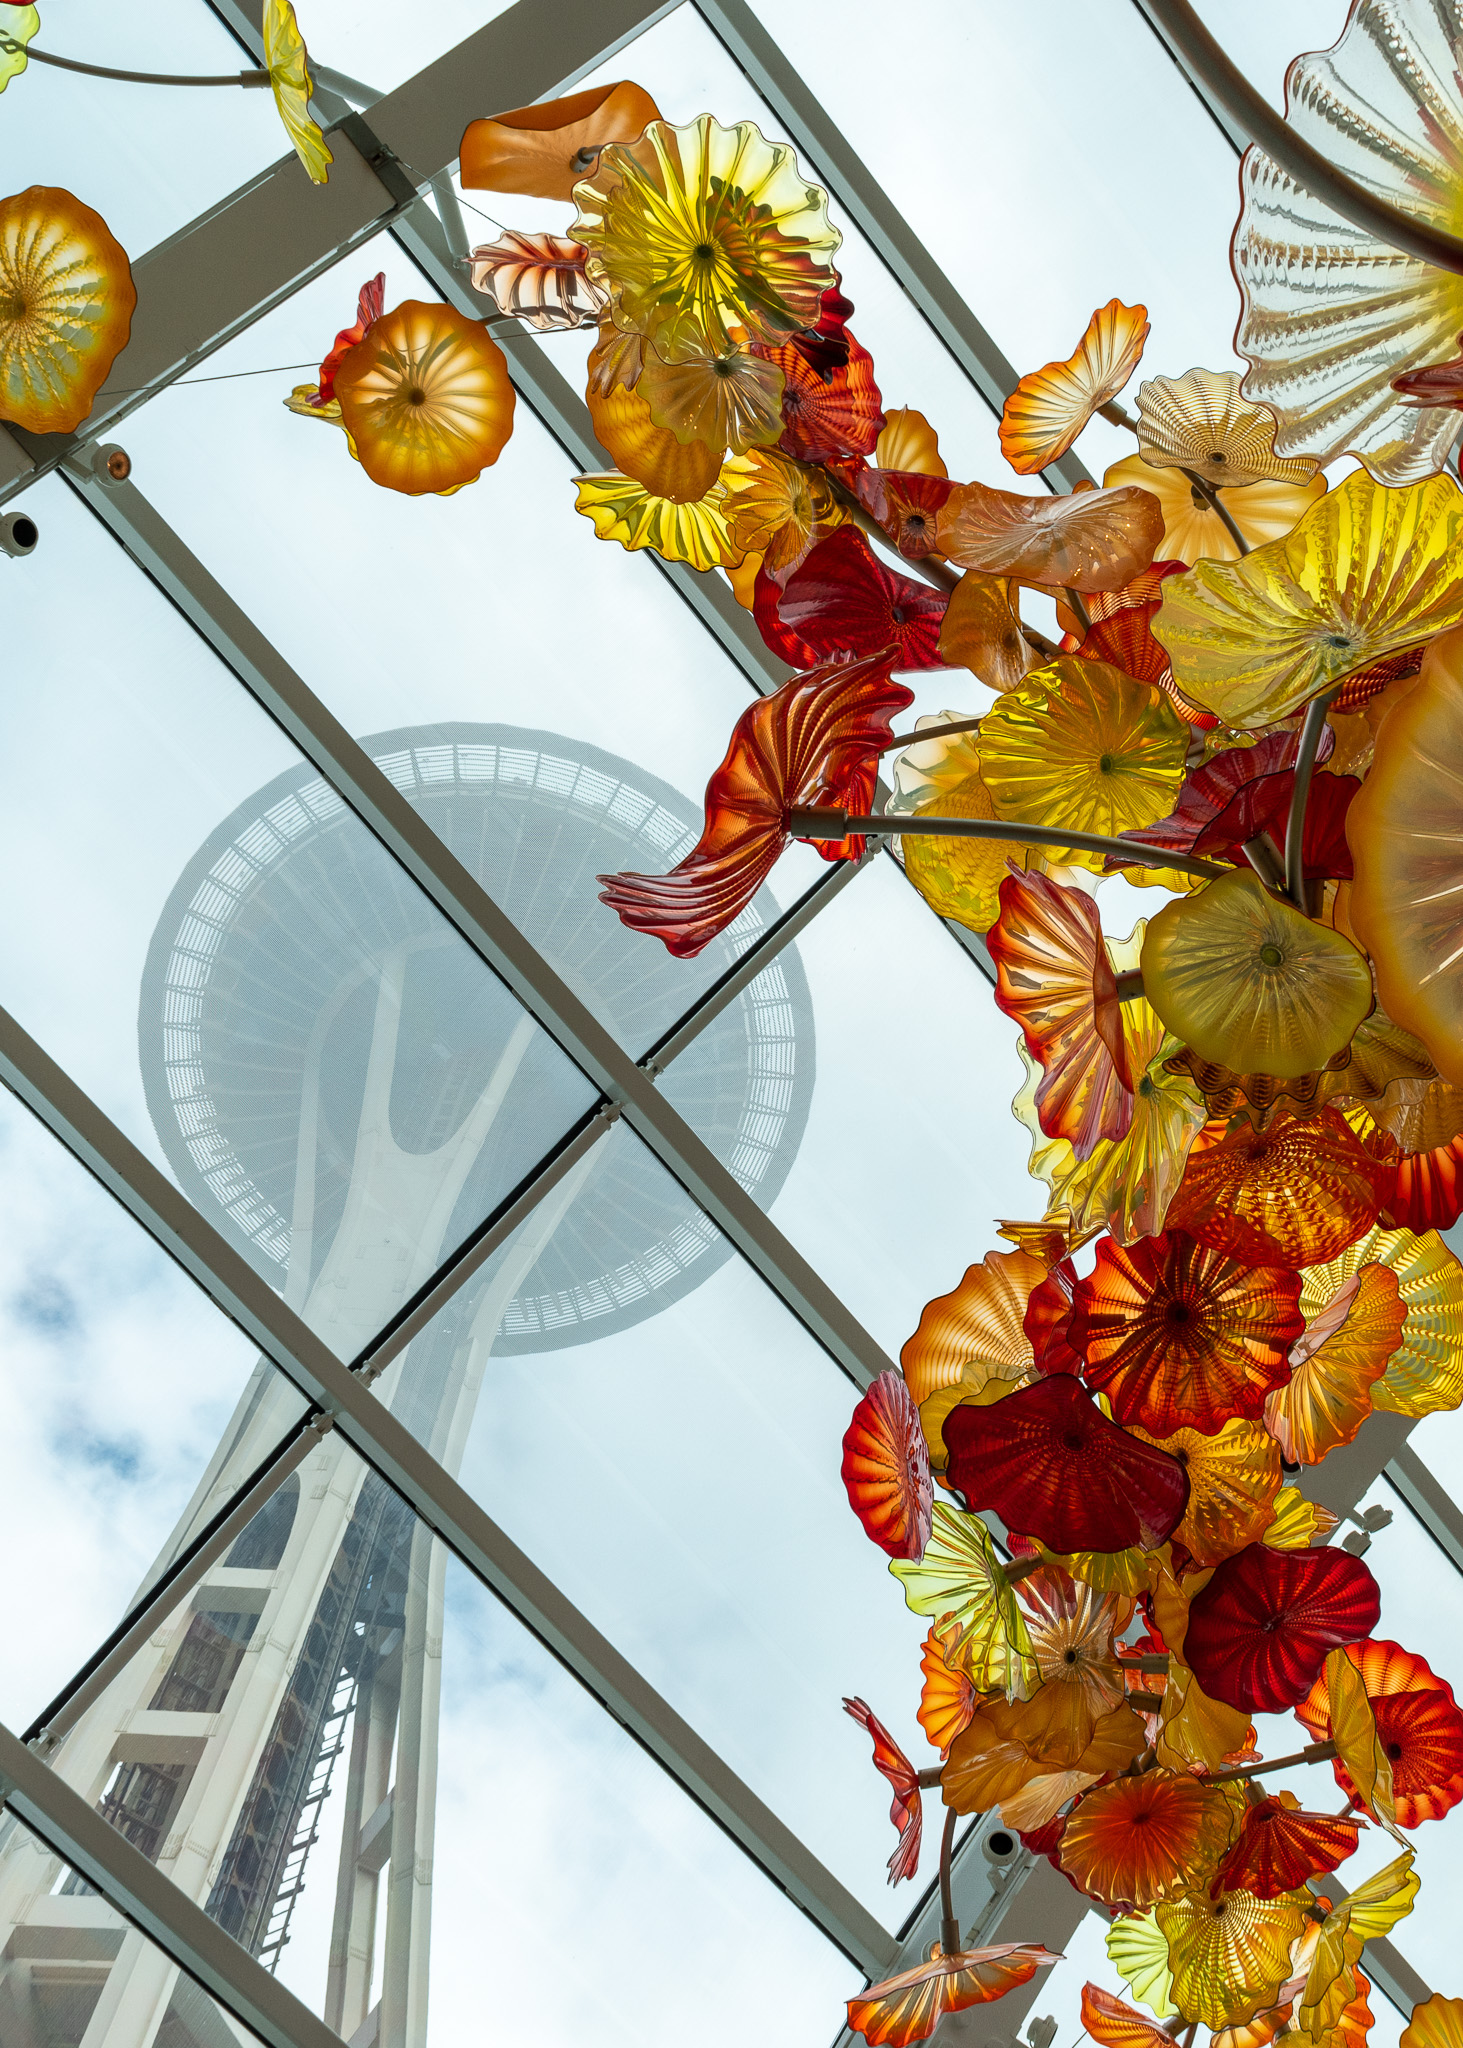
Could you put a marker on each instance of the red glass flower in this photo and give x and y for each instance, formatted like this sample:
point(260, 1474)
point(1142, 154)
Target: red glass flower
point(906, 504)
point(1428, 1191)
point(1261, 808)
point(1418, 1724)
point(370, 305)
point(906, 1809)
point(1280, 1846)
point(886, 1469)
point(816, 740)
point(1262, 1627)
point(1209, 791)
point(841, 600)
point(824, 346)
point(829, 417)
point(1047, 1319)
point(1054, 977)
point(1052, 1466)
point(1295, 1194)
point(1179, 1336)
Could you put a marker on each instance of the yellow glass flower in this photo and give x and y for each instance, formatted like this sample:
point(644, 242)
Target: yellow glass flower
point(1250, 982)
point(287, 62)
point(958, 878)
point(66, 304)
point(624, 510)
point(960, 1581)
point(17, 26)
point(704, 228)
point(1425, 1373)
point(722, 395)
point(1371, 1912)
point(1234, 1477)
point(1049, 407)
point(668, 468)
point(426, 399)
point(1366, 573)
point(982, 631)
point(779, 508)
point(1195, 1729)
point(1192, 529)
point(1230, 1955)
point(1436, 2022)
point(1138, 1952)
point(1298, 1522)
point(1405, 827)
point(1080, 744)
point(1335, 1366)
point(909, 443)
point(1351, 1722)
point(1200, 422)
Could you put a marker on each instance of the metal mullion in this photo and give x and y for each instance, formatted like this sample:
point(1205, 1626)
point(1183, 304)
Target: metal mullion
point(438, 1500)
point(73, 1830)
point(1430, 1502)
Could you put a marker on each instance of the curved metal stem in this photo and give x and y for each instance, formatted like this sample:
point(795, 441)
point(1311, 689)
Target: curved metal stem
point(949, 1925)
point(1313, 725)
point(832, 824)
point(1210, 496)
point(245, 78)
point(1206, 63)
point(931, 732)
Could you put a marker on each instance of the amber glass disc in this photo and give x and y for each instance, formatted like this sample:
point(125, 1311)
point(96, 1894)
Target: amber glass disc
point(66, 303)
point(1295, 1194)
point(1425, 1373)
point(426, 397)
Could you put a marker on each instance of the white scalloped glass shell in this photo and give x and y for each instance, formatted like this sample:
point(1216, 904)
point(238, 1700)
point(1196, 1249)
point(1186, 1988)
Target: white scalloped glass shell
point(1330, 315)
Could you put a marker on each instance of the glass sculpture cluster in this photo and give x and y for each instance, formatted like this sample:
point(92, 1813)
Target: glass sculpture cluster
point(1246, 1118)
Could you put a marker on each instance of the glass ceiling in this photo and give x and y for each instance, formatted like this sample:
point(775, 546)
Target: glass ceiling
point(249, 985)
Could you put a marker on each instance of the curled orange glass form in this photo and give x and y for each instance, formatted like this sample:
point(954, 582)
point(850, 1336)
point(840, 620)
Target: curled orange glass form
point(1049, 407)
point(947, 1699)
point(1012, 1745)
point(982, 631)
point(907, 441)
point(426, 397)
point(1230, 1955)
point(781, 508)
point(1092, 540)
point(1147, 1838)
point(1295, 1194)
point(1179, 1336)
point(1419, 1727)
point(683, 471)
point(910, 2006)
point(66, 304)
point(1113, 2024)
point(1334, 1368)
point(1436, 2022)
point(545, 150)
point(1425, 1373)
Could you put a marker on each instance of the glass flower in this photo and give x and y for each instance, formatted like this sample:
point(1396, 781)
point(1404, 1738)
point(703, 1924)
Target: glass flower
point(971, 1340)
point(841, 600)
point(1418, 1724)
point(947, 1698)
point(1082, 746)
point(539, 279)
point(370, 304)
point(685, 472)
point(961, 1584)
point(982, 631)
point(1261, 809)
point(716, 393)
point(1334, 1367)
point(1280, 1846)
point(1367, 572)
point(703, 228)
point(905, 504)
point(1121, 634)
point(780, 508)
point(1053, 976)
point(1234, 1479)
point(958, 878)
point(1053, 1467)
point(1298, 1522)
point(824, 346)
point(1090, 540)
point(1425, 1373)
point(1194, 1729)
point(828, 419)
point(18, 24)
point(1229, 1955)
point(1262, 1627)
point(1250, 982)
point(908, 442)
point(66, 303)
point(1199, 422)
point(1330, 313)
point(1113, 2024)
point(1295, 1194)
point(816, 740)
point(624, 510)
point(886, 1468)
point(1436, 2022)
point(1192, 530)
point(906, 1810)
point(1048, 1316)
point(1139, 1954)
point(1049, 407)
point(910, 2006)
point(287, 62)
point(1419, 1126)
point(1406, 833)
point(1209, 791)
point(1348, 1715)
point(1071, 1627)
point(1179, 1336)
point(545, 150)
point(426, 397)
point(1369, 1914)
point(1047, 1741)
point(1148, 1838)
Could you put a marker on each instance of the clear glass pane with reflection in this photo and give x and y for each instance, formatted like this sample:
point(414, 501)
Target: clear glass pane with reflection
point(230, 964)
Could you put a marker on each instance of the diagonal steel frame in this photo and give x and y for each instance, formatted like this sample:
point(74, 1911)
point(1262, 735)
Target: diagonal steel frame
point(379, 1439)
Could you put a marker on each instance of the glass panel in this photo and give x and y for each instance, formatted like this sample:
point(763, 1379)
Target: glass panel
point(1263, 40)
point(116, 1378)
point(357, 1759)
point(693, 1430)
point(327, 1070)
point(74, 1974)
point(370, 40)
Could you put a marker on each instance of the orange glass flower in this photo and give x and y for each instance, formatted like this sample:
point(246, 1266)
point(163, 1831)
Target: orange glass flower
point(1419, 1727)
point(1092, 540)
point(426, 397)
point(1279, 1847)
point(1192, 530)
point(905, 505)
point(1049, 407)
point(1178, 1335)
point(1234, 1479)
point(828, 419)
point(947, 1698)
point(910, 2006)
point(1113, 2024)
point(683, 471)
point(1294, 1194)
point(982, 631)
point(66, 303)
point(1147, 1838)
point(909, 442)
point(1052, 1737)
point(971, 1339)
point(816, 740)
point(1437, 2022)
point(545, 150)
point(1230, 1955)
point(907, 1808)
point(886, 1469)
point(1054, 977)
point(1334, 1367)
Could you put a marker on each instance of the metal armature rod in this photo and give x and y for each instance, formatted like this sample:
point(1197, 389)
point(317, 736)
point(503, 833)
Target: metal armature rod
point(1207, 64)
point(831, 824)
point(1210, 495)
point(949, 1925)
point(236, 78)
point(931, 732)
point(177, 1582)
point(1313, 1753)
point(1312, 726)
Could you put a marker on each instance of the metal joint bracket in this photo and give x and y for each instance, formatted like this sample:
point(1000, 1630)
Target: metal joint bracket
point(381, 158)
